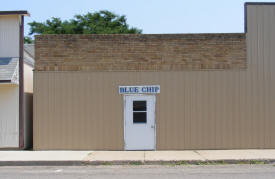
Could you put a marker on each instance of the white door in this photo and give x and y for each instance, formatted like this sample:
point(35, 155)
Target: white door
point(139, 122)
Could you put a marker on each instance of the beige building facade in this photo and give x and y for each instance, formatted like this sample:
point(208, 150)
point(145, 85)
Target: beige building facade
point(216, 91)
point(16, 83)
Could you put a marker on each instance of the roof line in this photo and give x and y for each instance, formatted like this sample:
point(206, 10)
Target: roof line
point(9, 57)
point(21, 12)
point(252, 3)
point(28, 53)
point(5, 81)
point(259, 3)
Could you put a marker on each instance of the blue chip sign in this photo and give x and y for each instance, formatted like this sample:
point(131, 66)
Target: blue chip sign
point(153, 89)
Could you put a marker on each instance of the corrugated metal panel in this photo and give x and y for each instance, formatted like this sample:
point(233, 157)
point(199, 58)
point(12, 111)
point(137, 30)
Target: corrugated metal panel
point(195, 109)
point(9, 36)
point(84, 111)
point(9, 112)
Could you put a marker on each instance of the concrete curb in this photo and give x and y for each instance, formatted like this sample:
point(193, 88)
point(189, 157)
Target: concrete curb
point(131, 162)
point(182, 162)
point(211, 162)
point(42, 163)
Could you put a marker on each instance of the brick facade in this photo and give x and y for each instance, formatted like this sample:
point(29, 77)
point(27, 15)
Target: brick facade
point(164, 52)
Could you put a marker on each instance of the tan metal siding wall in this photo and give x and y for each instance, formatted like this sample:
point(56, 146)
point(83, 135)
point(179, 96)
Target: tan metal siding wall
point(261, 43)
point(77, 111)
point(201, 110)
point(195, 109)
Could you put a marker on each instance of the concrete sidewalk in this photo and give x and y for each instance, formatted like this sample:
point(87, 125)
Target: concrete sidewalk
point(125, 157)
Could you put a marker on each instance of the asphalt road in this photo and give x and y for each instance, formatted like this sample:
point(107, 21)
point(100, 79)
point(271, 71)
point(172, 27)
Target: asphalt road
point(138, 172)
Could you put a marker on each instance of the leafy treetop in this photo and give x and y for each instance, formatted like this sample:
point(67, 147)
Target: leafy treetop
point(28, 40)
point(102, 22)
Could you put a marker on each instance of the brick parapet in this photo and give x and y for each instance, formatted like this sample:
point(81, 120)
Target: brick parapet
point(141, 52)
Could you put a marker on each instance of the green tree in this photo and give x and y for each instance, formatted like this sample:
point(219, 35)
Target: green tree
point(102, 22)
point(28, 40)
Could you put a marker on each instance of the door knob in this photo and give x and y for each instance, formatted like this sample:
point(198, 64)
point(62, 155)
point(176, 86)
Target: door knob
point(152, 126)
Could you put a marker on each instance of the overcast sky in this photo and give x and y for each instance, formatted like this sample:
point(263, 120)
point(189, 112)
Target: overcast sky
point(152, 16)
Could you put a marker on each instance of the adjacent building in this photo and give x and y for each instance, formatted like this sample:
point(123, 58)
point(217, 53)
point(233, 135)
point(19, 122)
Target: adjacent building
point(158, 92)
point(16, 82)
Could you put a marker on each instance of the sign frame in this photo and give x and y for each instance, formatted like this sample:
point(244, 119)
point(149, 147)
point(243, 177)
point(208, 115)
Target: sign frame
point(145, 89)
